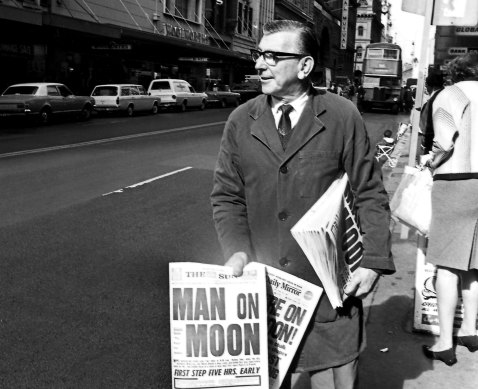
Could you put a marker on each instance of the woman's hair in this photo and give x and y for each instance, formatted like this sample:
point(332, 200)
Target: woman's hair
point(387, 134)
point(307, 39)
point(464, 68)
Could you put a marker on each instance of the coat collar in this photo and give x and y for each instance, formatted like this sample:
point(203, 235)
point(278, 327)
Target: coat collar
point(264, 129)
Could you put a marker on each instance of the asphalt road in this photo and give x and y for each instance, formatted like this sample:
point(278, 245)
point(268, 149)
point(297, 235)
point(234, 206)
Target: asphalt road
point(86, 234)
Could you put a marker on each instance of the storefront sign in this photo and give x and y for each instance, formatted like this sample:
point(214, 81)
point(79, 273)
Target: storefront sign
point(466, 31)
point(112, 47)
point(182, 33)
point(345, 22)
point(457, 50)
point(193, 59)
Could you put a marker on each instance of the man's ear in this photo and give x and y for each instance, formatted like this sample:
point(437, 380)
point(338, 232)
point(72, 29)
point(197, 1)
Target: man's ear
point(306, 66)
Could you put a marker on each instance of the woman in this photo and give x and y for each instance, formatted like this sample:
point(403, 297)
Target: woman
point(452, 245)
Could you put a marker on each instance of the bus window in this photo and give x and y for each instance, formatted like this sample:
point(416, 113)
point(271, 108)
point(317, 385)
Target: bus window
point(390, 54)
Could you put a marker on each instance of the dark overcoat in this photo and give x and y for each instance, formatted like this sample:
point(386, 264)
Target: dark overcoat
point(260, 191)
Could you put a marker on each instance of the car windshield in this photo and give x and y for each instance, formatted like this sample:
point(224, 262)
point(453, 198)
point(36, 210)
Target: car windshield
point(21, 90)
point(105, 91)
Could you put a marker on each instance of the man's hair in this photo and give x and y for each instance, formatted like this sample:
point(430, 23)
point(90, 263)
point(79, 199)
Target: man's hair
point(464, 68)
point(435, 80)
point(308, 43)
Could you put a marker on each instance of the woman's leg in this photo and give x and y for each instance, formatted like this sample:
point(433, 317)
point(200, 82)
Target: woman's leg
point(469, 290)
point(447, 298)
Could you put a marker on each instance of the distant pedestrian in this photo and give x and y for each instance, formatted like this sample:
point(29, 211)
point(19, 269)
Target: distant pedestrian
point(453, 237)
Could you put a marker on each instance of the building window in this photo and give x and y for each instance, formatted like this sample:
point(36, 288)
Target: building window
point(244, 19)
point(187, 9)
point(360, 31)
point(182, 8)
point(359, 52)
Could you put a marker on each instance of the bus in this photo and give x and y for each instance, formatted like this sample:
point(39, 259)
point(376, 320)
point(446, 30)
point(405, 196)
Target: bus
point(382, 77)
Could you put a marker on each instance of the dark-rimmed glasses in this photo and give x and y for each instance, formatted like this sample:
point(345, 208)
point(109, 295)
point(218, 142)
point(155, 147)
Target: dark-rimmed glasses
point(272, 57)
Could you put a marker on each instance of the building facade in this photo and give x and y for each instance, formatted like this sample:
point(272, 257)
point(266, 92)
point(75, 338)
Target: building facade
point(88, 42)
point(369, 30)
point(83, 43)
point(453, 41)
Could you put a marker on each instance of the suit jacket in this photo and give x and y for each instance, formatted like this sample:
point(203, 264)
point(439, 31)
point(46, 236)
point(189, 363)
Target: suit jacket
point(260, 191)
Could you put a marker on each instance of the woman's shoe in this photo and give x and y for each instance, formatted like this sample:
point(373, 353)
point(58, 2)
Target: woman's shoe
point(446, 356)
point(470, 342)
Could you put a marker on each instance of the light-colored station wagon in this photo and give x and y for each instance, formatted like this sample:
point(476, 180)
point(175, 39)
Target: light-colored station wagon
point(125, 98)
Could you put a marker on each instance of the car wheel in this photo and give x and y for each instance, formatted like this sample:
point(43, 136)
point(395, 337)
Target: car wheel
point(223, 103)
point(85, 113)
point(130, 111)
point(395, 109)
point(237, 103)
point(45, 116)
point(183, 106)
point(202, 107)
point(155, 109)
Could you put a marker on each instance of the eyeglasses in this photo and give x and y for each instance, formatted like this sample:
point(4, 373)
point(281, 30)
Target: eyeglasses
point(272, 57)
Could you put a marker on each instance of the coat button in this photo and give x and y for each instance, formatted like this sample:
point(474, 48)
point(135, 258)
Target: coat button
point(283, 169)
point(284, 262)
point(282, 216)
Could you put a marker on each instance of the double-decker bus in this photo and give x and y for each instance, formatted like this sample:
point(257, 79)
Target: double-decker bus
point(382, 77)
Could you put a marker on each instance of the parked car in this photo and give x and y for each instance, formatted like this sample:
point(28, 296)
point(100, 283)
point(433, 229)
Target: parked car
point(248, 89)
point(43, 100)
point(124, 98)
point(221, 94)
point(177, 94)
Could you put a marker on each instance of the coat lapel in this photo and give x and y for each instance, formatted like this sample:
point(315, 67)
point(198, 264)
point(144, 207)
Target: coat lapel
point(308, 125)
point(263, 127)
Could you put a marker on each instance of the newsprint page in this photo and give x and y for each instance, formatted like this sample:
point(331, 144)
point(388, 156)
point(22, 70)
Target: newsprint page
point(228, 331)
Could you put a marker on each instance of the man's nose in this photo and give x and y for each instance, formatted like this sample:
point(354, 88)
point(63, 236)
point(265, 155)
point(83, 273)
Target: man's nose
point(260, 64)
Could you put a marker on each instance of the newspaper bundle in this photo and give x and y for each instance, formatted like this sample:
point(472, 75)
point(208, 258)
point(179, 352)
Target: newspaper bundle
point(219, 324)
point(329, 235)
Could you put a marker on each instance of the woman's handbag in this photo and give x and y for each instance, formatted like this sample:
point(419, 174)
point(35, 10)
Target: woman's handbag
point(412, 202)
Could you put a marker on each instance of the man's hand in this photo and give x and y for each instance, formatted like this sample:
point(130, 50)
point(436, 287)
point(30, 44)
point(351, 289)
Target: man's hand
point(237, 261)
point(362, 283)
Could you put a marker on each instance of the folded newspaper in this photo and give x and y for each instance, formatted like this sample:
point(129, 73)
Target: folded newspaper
point(219, 324)
point(329, 235)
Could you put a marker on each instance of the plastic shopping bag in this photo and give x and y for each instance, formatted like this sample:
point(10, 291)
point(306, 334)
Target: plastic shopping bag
point(412, 202)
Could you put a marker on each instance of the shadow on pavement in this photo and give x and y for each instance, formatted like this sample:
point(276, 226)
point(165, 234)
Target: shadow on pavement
point(393, 353)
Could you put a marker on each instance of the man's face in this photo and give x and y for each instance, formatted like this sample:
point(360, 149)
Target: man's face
point(280, 80)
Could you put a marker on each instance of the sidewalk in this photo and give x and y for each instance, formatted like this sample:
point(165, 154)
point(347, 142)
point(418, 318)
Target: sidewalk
point(393, 358)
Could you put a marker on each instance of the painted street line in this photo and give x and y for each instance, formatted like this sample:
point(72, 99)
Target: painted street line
point(108, 140)
point(148, 181)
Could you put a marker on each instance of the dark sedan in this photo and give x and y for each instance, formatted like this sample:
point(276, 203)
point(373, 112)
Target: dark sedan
point(42, 100)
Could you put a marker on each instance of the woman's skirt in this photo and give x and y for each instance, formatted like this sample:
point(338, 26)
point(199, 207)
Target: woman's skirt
point(452, 241)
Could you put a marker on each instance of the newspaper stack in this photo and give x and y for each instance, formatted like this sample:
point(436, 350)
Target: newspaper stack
point(329, 235)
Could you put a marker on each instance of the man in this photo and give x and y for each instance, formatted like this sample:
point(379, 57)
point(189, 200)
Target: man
point(279, 153)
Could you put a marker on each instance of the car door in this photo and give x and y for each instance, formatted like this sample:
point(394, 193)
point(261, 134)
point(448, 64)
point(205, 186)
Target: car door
point(70, 102)
point(55, 99)
point(193, 96)
point(142, 98)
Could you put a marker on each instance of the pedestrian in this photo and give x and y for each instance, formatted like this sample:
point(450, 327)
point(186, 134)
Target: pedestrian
point(452, 241)
point(360, 98)
point(279, 153)
point(434, 85)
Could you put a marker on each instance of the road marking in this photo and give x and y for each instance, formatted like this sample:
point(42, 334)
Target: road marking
point(109, 140)
point(148, 181)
